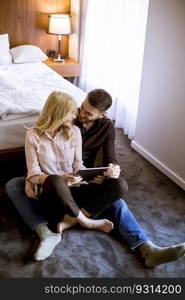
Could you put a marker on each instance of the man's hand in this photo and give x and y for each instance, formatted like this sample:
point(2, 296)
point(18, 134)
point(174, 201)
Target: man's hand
point(99, 179)
point(113, 171)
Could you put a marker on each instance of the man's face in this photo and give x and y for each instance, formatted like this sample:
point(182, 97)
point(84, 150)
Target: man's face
point(89, 113)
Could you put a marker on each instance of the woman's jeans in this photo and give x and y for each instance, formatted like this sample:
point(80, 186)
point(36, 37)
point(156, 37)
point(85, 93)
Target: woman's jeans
point(118, 213)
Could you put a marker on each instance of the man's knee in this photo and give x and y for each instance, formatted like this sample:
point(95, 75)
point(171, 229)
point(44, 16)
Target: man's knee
point(119, 205)
point(13, 184)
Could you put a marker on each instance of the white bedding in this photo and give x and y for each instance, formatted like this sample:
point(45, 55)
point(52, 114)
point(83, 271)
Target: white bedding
point(24, 89)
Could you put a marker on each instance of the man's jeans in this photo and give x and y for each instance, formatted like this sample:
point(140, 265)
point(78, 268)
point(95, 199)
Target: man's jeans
point(124, 221)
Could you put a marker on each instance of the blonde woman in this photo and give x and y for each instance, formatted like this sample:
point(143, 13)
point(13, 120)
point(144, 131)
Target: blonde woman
point(53, 155)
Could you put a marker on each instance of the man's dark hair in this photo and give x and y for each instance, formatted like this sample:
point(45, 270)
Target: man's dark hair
point(100, 99)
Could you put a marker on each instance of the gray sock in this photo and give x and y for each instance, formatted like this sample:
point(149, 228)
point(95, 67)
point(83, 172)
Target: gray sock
point(155, 255)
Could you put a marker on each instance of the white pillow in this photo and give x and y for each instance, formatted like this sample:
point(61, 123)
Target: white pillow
point(5, 57)
point(27, 54)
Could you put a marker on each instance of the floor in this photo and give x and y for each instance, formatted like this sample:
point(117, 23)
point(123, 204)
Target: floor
point(156, 201)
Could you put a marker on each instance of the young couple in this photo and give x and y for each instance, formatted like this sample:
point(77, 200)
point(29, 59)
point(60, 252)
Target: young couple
point(55, 150)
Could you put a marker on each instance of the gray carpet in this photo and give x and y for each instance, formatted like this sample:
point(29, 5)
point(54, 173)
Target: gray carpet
point(157, 203)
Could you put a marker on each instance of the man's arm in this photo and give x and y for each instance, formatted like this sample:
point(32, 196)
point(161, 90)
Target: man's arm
point(109, 155)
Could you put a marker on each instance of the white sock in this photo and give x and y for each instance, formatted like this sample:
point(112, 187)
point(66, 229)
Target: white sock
point(155, 255)
point(49, 240)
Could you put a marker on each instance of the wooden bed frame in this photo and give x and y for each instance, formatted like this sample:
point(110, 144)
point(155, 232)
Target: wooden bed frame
point(26, 22)
point(31, 19)
point(12, 154)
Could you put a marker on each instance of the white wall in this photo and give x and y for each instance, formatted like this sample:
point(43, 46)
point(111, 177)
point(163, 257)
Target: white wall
point(160, 130)
point(74, 37)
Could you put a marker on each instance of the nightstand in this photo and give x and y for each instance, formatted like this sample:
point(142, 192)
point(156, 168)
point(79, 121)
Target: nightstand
point(69, 68)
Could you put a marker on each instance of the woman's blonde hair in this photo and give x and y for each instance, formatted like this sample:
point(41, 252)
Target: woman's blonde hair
point(54, 113)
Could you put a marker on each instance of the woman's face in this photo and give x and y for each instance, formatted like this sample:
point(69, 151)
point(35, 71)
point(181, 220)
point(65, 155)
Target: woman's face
point(70, 118)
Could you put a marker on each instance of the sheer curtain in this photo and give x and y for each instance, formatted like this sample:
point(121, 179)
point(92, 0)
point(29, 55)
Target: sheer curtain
point(112, 53)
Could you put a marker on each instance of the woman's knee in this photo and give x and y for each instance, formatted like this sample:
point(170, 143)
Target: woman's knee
point(55, 185)
point(54, 180)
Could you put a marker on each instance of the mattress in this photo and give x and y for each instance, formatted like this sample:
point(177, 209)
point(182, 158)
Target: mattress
point(24, 89)
point(12, 132)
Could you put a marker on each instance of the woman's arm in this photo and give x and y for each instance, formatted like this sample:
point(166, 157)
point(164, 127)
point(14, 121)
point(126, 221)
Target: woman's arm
point(78, 163)
point(35, 174)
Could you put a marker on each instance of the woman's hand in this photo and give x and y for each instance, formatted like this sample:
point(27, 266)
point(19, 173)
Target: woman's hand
point(71, 178)
point(113, 171)
point(42, 178)
point(29, 190)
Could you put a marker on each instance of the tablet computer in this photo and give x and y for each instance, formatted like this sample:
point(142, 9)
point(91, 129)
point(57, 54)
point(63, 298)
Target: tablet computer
point(91, 173)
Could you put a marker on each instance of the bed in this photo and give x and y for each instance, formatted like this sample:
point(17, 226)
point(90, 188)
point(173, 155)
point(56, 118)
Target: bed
point(24, 89)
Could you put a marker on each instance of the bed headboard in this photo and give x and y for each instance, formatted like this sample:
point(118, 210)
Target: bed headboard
point(26, 22)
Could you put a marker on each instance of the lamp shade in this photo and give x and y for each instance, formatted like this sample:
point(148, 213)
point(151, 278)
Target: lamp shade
point(59, 24)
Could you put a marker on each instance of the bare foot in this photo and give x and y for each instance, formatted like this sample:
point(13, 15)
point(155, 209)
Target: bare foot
point(103, 224)
point(66, 223)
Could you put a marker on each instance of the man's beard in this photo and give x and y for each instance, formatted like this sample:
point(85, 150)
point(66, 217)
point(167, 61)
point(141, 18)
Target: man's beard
point(84, 120)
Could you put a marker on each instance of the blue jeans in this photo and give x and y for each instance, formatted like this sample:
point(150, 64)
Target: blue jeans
point(124, 221)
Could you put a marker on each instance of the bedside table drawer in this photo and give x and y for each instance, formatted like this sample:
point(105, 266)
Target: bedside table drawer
point(70, 68)
point(67, 70)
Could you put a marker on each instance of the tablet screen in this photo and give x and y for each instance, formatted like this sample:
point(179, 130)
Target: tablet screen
point(91, 173)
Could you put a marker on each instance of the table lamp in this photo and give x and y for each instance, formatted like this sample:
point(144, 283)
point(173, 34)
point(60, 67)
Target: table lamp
point(59, 24)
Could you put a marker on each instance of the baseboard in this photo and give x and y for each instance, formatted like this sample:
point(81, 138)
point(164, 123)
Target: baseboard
point(157, 163)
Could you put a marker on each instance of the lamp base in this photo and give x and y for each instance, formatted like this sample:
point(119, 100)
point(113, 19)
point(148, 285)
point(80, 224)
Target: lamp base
point(61, 60)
